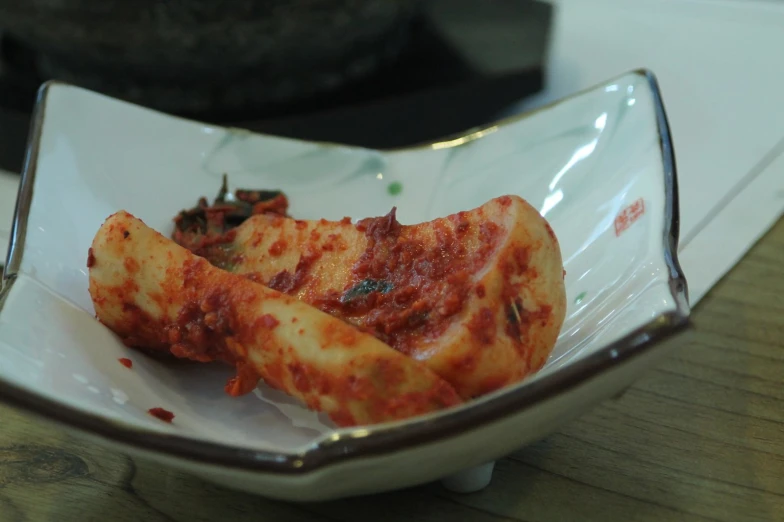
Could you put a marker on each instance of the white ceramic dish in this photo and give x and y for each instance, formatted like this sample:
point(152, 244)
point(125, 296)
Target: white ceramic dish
point(598, 165)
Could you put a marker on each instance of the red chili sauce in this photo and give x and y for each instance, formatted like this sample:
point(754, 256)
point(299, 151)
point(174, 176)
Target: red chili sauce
point(204, 323)
point(415, 286)
point(164, 415)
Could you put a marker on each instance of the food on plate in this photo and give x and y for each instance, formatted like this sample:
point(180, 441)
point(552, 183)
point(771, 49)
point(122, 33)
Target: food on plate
point(160, 413)
point(158, 296)
point(478, 296)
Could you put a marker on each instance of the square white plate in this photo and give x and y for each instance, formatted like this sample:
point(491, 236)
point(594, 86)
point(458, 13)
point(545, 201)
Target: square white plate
point(598, 165)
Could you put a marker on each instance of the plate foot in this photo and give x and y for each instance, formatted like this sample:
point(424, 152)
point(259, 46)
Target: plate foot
point(470, 480)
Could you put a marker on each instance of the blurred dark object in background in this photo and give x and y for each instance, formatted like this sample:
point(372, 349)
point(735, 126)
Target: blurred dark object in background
point(192, 56)
point(375, 73)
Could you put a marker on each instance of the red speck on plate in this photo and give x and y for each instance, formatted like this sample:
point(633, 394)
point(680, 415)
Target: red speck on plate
point(164, 415)
point(126, 362)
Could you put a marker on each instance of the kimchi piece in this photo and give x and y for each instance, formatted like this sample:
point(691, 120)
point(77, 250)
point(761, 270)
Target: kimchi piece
point(478, 296)
point(160, 297)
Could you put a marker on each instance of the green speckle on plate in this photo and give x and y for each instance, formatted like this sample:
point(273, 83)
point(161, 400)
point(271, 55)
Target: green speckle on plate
point(579, 298)
point(395, 188)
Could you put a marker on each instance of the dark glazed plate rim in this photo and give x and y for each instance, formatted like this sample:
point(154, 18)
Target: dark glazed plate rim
point(367, 441)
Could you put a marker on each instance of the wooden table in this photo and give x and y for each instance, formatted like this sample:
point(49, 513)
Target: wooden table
point(701, 437)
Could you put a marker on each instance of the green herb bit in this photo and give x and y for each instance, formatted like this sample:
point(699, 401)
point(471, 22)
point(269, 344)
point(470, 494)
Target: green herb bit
point(364, 288)
point(395, 188)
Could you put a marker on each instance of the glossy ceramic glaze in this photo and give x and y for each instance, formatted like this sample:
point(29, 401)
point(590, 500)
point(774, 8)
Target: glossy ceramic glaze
point(599, 166)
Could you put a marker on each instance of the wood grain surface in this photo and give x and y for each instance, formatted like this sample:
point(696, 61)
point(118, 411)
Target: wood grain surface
point(701, 437)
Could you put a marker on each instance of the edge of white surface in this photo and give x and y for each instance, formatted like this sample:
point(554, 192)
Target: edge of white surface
point(726, 238)
point(9, 186)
